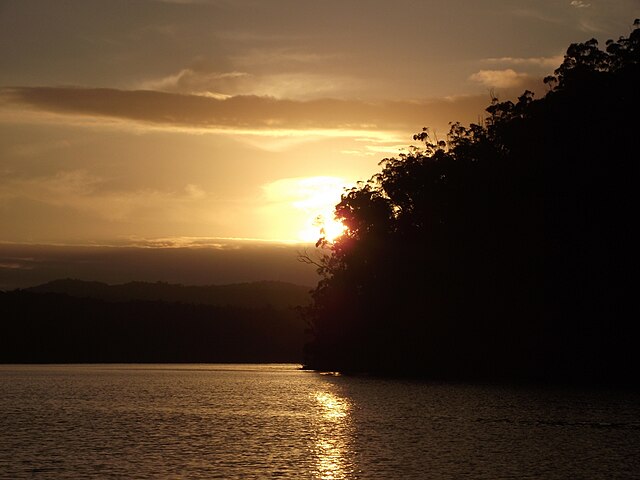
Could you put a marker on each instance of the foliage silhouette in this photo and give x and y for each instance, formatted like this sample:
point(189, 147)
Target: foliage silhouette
point(506, 251)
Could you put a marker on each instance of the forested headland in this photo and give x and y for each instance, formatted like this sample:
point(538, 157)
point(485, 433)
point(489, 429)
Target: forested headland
point(507, 249)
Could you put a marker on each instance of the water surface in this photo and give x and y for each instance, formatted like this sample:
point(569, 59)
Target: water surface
point(275, 421)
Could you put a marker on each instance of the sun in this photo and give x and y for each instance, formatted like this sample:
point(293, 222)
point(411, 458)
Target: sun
point(301, 209)
point(318, 198)
point(322, 226)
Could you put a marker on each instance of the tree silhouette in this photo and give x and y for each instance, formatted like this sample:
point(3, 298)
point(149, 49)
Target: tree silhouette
point(507, 250)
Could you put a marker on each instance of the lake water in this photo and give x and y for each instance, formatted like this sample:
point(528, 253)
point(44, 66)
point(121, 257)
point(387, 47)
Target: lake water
point(275, 421)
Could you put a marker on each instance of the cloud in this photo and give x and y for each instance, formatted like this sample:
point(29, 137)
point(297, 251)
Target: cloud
point(537, 62)
point(579, 4)
point(190, 261)
point(194, 81)
point(194, 2)
point(507, 78)
point(280, 56)
point(14, 266)
point(194, 191)
point(537, 15)
point(245, 114)
point(224, 85)
point(83, 192)
point(305, 192)
point(27, 150)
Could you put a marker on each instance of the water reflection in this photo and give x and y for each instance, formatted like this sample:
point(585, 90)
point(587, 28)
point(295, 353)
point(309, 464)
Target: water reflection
point(332, 448)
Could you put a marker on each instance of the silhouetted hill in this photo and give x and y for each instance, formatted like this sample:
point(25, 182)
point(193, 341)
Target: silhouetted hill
point(250, 295)
point(59, 328)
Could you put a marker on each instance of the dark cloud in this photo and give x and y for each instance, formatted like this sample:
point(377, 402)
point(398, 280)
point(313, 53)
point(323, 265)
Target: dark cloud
point(246, 112)
point(223, 263)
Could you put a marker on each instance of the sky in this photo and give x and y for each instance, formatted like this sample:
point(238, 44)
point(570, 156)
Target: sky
point(234, 125)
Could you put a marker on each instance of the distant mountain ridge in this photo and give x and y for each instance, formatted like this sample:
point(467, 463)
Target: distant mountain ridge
point(51, 327)
point(250, 295)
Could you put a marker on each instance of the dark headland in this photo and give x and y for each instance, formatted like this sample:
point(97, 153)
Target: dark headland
point(507, 250)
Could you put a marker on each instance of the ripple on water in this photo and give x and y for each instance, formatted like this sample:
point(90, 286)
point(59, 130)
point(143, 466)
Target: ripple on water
point(254, 421)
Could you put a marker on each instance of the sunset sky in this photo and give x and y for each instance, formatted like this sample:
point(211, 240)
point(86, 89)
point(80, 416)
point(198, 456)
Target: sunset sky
point(176, 123)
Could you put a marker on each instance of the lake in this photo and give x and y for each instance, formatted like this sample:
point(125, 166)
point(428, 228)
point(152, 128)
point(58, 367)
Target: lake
point(276, 421)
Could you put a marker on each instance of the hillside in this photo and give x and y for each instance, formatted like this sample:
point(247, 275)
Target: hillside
point(60, 328)
point(248, 295)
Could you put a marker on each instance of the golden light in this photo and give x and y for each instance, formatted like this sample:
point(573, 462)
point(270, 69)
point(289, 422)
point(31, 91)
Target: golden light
point(333, 407)
point(333, 455)
point(307, 205)
point(319, 196)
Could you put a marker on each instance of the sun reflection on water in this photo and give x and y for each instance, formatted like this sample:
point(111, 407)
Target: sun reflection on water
point(333, 437)
point(333, 407)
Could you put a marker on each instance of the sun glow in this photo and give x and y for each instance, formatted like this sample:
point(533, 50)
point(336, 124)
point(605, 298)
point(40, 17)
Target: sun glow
point(309, 203)
point(319, 198)
point(321, 227)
